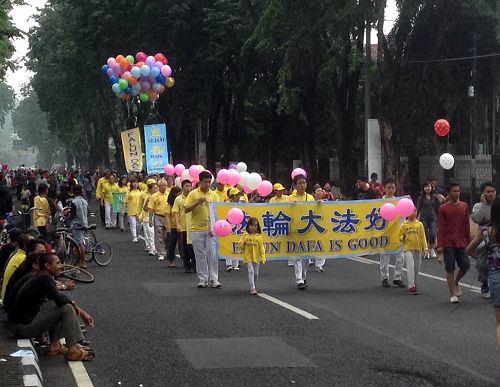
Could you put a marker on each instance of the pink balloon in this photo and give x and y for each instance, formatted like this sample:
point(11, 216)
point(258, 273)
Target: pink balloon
point(388, 211)
point(111, 61)
point(234, 177)
point(265, 188)
point(247, 189)
point(297, 172)
point(169, 170)
point(166, 71)
point(405, 207)
point(141, 57)
point(222, 228)
point(223, 176)
point(126, 75)
point(179, 168)
point(194, 171)
point(235, 216)
point(110, 72)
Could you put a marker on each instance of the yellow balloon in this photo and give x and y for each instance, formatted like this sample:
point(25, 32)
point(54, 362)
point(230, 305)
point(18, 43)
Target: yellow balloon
point(170, 82)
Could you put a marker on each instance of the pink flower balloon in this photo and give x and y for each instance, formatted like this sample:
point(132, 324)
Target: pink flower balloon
point(247, 189)
point(233, 177)
point(179, 168)
point(235, 216)
point(222, 228)
point(388, 211)
point(297, 172)
point(169, 169)
point(194, 171)
point(265, 188)
point(405, 207)
point(223, 176)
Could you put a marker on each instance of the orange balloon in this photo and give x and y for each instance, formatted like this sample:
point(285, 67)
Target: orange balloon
point(119, 58)
point(162, 89)
point(132, 80)
point(140, 64)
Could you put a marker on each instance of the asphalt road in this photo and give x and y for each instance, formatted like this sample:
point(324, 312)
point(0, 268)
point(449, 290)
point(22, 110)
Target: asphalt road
point(155, 328)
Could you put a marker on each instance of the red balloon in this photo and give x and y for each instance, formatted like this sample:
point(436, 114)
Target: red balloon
point(442, 127)
point(161, 58)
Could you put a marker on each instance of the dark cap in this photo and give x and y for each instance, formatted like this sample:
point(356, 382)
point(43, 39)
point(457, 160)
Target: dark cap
point(14, 234)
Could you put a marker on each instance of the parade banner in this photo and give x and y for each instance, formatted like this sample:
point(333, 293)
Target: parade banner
point(155, 137)
point(309, 230)
point(132, 149)
point(119, 202)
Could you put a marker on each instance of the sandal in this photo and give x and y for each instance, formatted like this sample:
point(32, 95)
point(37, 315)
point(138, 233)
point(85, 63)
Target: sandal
point(80, 354)
point(59, 351)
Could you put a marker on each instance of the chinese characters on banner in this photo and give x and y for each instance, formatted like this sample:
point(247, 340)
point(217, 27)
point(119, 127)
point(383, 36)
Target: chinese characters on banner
point(155, 137)
point(118, 204)
point(313, 229)
point(132, 149)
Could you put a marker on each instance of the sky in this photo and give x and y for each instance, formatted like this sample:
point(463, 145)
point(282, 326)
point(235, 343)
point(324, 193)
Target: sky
point(22, 17)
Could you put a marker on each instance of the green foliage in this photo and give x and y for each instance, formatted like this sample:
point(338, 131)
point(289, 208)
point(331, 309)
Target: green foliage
point(7, 100)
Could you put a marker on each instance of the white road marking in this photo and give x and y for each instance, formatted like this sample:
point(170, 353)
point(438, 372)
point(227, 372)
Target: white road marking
point(474, 289)
point(286, 305)
point(80, 374)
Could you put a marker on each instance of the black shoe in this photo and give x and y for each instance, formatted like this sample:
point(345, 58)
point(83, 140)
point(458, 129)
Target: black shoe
point(305, 283)
point(385, 284)
point(302, 286)
point(399, 284)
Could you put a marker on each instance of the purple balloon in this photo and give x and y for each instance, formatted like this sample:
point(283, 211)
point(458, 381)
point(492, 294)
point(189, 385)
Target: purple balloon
point(158, 64)
point(166, 71)
point(145, 85)
point(111, 61)
point(110, 72)
point(150, 61)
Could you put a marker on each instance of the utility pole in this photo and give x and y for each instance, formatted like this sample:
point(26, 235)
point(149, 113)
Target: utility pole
point(368, 88)
point(473, 121)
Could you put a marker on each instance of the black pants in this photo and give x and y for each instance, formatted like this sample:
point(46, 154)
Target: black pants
point(187, 253)
point(172, 238)
point(103, 214)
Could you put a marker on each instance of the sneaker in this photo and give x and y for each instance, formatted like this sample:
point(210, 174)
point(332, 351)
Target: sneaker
point(161, 258)
point(454, 300)
point(320, 269)
point(385, 283)
point(413, 291)
point(172, 264)
point(301, 286)
point(290, 263)
point(432, 253)
point(237, 268)
point(253, 292)
point(151, 254)
point(229, 268)
point(458, 291)
point(216, 285)
point(311, 262)
point(305, 283)
point(202, 284)
point(399, 284)
point(485, 287)
point(135, 240)
point(486, 295)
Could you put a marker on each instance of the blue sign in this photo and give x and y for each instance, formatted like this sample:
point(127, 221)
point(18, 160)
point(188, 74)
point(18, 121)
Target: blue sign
point(155, 137)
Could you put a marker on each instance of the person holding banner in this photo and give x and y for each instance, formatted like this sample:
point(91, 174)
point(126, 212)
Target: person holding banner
point(234, 196)
point(159, 217)
point(300, 195)
point(149, 232)
point(202, 237)
point(107, 199)
point(134, 202)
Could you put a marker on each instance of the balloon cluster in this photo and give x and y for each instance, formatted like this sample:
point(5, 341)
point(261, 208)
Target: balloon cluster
point(144, 76)
point(223, 227)
point(442, 128)
point(404, 208)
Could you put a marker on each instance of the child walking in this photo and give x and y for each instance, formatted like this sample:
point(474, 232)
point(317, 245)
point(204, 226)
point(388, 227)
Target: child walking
point(254, 253)
point(412, 234)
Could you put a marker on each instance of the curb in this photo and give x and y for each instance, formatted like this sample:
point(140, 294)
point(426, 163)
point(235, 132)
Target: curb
point(32, 374)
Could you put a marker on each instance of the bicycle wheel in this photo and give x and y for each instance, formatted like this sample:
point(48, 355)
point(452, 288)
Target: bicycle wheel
point(71, 252)
point(89, 241)
point(76, 274)
point(103, 253)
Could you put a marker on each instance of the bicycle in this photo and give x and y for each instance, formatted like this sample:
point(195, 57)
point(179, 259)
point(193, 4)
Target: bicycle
point(99, 251)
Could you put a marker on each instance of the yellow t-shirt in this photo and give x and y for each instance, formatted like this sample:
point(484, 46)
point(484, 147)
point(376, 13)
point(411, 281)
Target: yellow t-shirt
point(171, 218)
point(134, 202)
point(14, 262)
point(107, 191)
point(158, 203)
point(144, 216)
point(295, 197)
point(100, 185)
point(143, 186)
point(282, 199)
point(42, 212)
point(200, 216)
point(412, 234)
point(252, 247)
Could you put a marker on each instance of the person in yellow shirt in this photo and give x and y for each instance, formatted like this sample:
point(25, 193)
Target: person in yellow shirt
point(124, 187)
point(300, 195)
point(183, 220)
point(254, 253)
point(207, 267)
point(170, 183)
point(42, 213)
point(412, 235)
point(234, 196)
point(159, 217)
point(173, 235)
point(16, 259)
point(143, 185)
point(149, 231)
point(134, 201)
point(107, 199)
point(98, 195)
point(222, 192)
point(278, 194)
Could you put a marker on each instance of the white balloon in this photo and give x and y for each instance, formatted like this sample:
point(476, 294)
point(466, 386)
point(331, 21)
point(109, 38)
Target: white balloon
point(244, 178)
point(185, 174)
point(241, 167)
point(178, 182)
point(447, 161)
point(254, 180)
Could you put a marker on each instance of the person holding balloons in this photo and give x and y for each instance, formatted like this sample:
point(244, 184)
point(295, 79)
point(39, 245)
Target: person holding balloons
point(300, 195)
point(251, 245)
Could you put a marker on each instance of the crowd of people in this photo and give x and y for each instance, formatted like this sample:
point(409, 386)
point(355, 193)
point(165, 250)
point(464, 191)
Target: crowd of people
point(170, 219)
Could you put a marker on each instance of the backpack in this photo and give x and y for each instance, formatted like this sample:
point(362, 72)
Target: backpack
point(493, 249)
